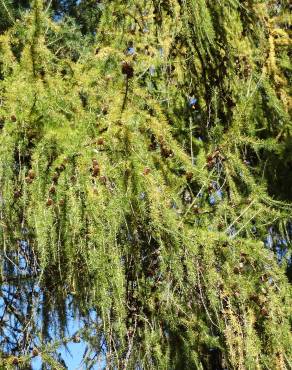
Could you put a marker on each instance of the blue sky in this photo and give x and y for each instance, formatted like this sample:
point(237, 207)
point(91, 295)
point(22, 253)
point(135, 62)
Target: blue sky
point(73, 359)
point(73, 354)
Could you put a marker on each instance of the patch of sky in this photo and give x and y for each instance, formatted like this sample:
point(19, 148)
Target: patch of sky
point(152, 70)
point(215, 197)
point(231, 231)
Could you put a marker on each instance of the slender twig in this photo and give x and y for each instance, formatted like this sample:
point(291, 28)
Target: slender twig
point(9, 15)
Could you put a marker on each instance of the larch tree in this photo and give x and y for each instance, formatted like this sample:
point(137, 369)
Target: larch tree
point(145, 183)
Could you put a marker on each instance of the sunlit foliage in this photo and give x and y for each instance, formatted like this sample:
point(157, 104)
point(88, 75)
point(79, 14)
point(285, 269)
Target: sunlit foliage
point(143, 185)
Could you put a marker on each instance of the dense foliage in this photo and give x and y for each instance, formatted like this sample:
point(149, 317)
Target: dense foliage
point(145, 183)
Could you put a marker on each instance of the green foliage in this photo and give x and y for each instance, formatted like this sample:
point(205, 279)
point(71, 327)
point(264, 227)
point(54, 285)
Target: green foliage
point(139, 206)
